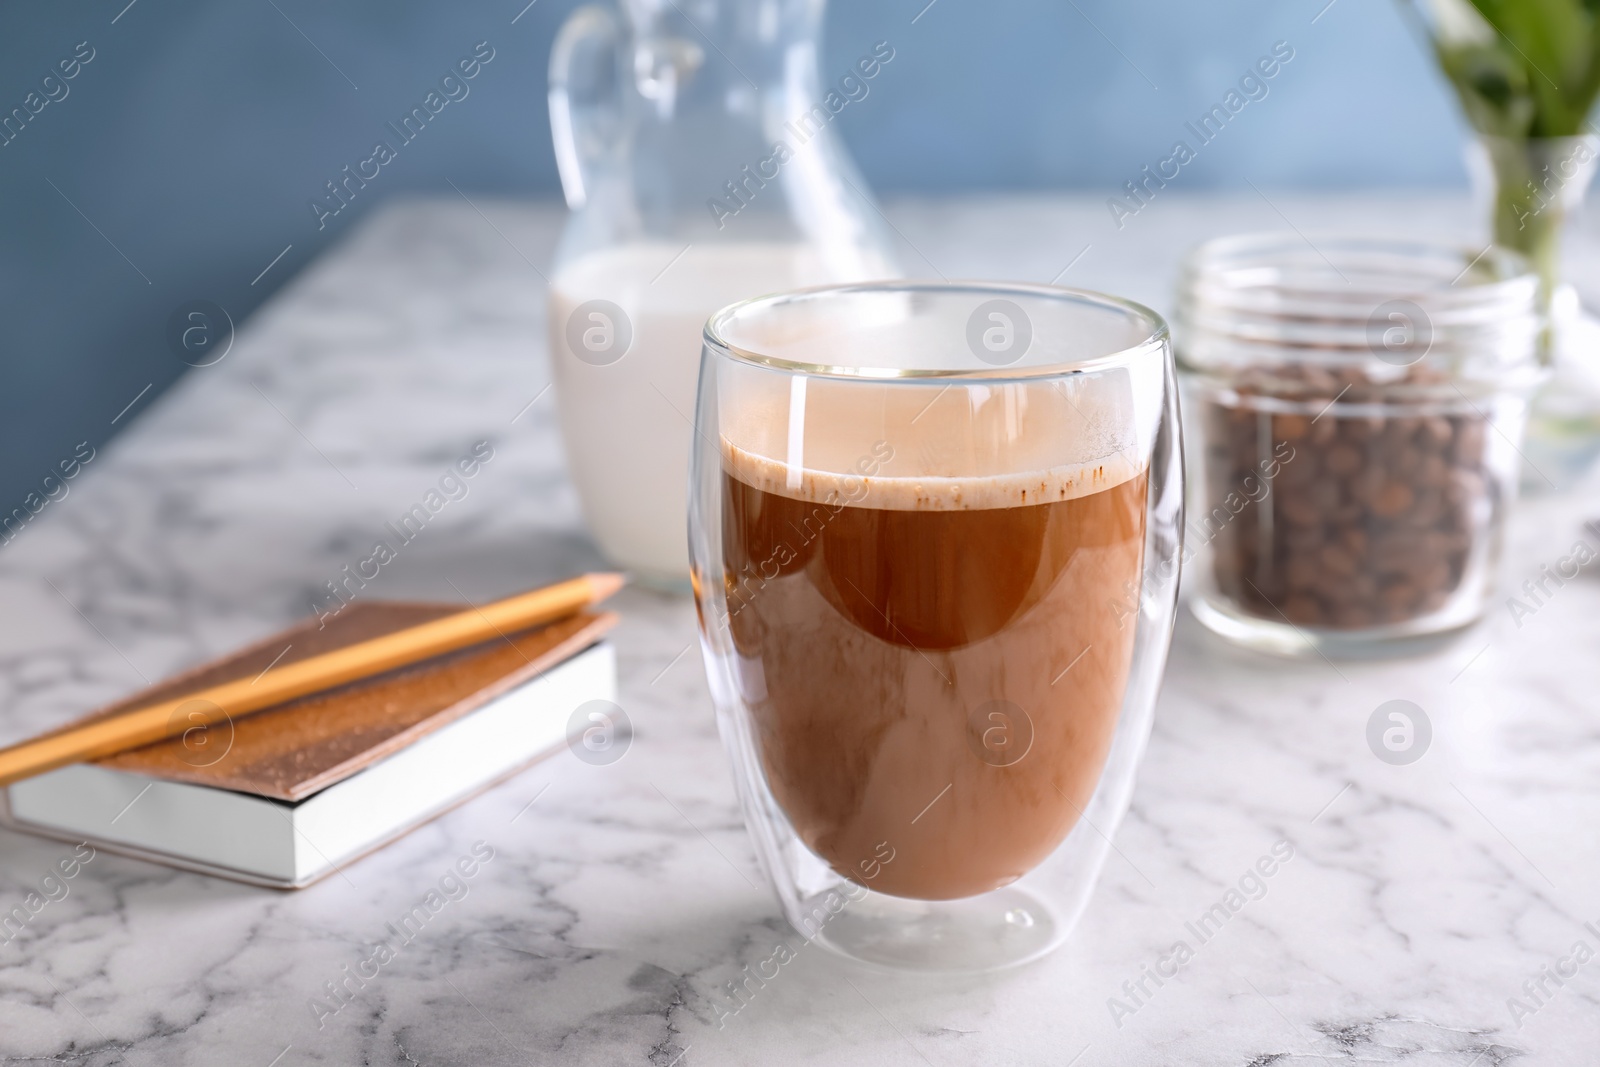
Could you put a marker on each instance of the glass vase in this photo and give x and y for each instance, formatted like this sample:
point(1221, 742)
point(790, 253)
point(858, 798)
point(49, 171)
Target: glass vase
point(1533, 190)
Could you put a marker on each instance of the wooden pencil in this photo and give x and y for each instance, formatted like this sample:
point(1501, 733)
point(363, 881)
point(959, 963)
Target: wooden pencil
point(230, 700)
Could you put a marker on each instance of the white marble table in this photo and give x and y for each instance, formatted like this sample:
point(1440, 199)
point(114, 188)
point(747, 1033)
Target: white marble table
point(617, 908)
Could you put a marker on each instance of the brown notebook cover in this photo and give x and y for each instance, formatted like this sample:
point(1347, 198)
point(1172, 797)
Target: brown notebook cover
point(293, 751)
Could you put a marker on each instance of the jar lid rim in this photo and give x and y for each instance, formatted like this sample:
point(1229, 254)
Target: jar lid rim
point(1491, 271)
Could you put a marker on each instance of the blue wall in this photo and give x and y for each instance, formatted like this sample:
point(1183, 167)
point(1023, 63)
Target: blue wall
point(183, 155)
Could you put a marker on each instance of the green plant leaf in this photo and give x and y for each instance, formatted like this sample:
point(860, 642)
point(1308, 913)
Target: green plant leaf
point(1521, 68)
point(1557, 44)
point(1493, 89)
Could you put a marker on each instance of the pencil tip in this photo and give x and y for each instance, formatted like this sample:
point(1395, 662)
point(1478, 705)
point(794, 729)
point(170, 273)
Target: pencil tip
point(604, 583)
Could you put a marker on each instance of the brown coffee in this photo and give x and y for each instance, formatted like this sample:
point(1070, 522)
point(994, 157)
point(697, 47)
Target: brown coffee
point(934, 669)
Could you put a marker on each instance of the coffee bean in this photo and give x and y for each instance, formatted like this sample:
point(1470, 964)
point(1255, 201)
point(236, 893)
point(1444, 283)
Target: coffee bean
point(1350, 512)
point(1393, 499)
point(1353, 617)
point(1303, 609)
point(1428, 510)
point(1372, 519)
point(1361, 428)
point(1398, 594)
point(1290, 427)
point(1318, 380)
point(1464, 487)
point(1342, 460)
point(1294, 473)
point(1397, 433)
point(1436, 432)
point(1338, 561)
point(1300, 510)
point(1303, 538)
point(1324, 496)
point(1469, 437)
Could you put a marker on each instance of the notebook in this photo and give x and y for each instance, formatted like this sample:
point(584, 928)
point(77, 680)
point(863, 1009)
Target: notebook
point(289, 795)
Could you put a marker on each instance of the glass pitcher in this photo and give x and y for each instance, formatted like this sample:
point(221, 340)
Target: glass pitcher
point(698, 152)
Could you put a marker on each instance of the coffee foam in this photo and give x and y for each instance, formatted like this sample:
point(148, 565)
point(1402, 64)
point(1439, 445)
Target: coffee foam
point(928, 492)
point(951, 447)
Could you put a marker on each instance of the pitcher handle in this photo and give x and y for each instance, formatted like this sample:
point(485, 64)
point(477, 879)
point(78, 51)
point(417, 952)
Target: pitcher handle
point(585, 114)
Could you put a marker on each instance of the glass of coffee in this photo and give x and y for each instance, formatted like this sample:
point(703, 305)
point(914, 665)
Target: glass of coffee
point(935, 541)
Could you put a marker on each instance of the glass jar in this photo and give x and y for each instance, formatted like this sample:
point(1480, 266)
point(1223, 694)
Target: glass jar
point(1356, 406)
point(935, 531)
point(699, 152)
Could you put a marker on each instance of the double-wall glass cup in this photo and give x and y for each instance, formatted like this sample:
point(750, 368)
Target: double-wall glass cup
point(935, 541)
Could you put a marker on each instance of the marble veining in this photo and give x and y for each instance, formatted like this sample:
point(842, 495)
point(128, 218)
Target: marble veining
point(621, 916)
